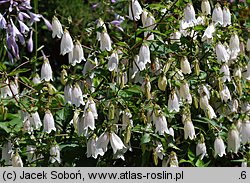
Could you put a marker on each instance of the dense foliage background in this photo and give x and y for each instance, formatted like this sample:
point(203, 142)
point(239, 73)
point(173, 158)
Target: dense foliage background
point(132, 99)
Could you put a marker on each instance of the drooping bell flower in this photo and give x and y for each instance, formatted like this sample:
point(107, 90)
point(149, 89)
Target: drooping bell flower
point(173, 102)
point(159, 150)
point(92, 150)
point(217, 15)
point(205, 7)
point(201, 149)
point(46, 71)
point(31, 150)
point(233, 140)
point(248, 44)
point(234, 46)
point(135, 10)
point(185, 66)
point(226, 16)
point(105, 42)
point(225, 94)
point(16, 160)
point(30, 42)
point(219, 147)
point(189, 14)
point(100, 25)
point(148, 21)
point(66, 43)
point(160, 123)
point(208, 34)
point(57, 30)
point(210, 112)
point(189, 131)
point(77, 55)
point(23, 27)
point(113, 62)
point(224, 70)
point(36, 79)
point(6, 153)
point(77, 97)
point(92, 106)
point(55, 154)
point(3, 22)
point(245, 132)
point(88, 122)
point(221, 53)
point(185, 92)
point(144, 53)
point(48, 122)
point(35, 120)
point(116, 143)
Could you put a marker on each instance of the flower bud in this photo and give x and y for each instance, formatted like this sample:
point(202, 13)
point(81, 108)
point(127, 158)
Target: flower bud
point(64, 78)
point(162, 82)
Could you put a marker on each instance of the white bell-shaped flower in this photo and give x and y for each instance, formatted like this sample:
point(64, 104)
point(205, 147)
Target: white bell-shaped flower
point(77, 55)
point(221, 53)
point(225, 94)
point(48, 122)
point(66, 43)
point(237, 72)
point(57, 30)
point(102, 141)
point(68, 93)
point(160, 123)
point(148, 21)
point(16, 160)
point(171, 132)
point(144, 54)
point(189, 131)
point(185, 92)
point(116, 143)
point(6, 153)
point(126, 118)
point(35, 120)
point(46, 71)
point(201, 149)
point(31, 150)
point(204, 103)
point(224, 70)
point(210, 112)
point(208, 34)
point(92, 150)
point(159, 150)
point(113, 62)
point(175, 37)
point(189, 14)
point(245, 132)
point(173, 103)
point(233, 141)
point(205, 7)
point(105, 42)
point(247, 74)
point(219, 147)
point(55, 154)
point(185, 66)
point(248, 44)
point(36, 79)
point(217, 15)
point(100, 23)
point(135, 10)
point(92, 106)
point(89, 121)
point(234, 46)
point(226, 16)
point(77, 97)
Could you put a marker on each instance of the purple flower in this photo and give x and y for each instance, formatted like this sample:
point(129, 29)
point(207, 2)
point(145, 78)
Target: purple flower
point(23, 27)
point(30, 42)
point(47, 23)
point(22, 16)
point(113, 1)
point(12, 45)
point(34, 17)
point(2, 22)
point(10, 56)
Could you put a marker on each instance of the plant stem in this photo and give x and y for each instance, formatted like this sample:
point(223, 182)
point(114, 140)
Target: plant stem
point(36, 31)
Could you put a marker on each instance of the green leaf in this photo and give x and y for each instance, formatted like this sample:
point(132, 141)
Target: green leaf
point(18, 71)
point(199, 163)
point(15, 124)
point(145, 138)
point(25, 80)
point(2, 67)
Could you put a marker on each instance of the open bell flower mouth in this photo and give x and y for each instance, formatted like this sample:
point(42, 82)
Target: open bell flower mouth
point(48, 122)
point(46, 71)
point(219, 147)
point(57, 30)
